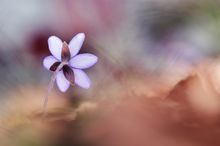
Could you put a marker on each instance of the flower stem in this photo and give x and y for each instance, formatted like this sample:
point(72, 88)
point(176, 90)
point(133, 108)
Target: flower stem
point(50, 87)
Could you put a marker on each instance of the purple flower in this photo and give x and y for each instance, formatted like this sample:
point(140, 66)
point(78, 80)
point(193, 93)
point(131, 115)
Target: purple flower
point(65, 56)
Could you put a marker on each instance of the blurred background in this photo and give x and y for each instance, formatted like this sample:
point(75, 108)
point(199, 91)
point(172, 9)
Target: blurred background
point(157, 81)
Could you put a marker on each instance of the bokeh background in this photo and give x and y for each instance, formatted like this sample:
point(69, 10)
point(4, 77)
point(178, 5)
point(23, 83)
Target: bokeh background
point(157, 81)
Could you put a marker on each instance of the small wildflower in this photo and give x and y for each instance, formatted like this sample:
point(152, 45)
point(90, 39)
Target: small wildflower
point(67, 63)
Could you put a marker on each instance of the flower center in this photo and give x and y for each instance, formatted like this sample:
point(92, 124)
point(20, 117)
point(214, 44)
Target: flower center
point(64, 63)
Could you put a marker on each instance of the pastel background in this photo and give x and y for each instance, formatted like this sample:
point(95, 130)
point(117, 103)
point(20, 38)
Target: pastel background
point(157, 81)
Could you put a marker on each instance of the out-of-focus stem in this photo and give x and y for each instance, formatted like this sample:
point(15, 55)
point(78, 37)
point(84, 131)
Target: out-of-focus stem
point(50, 87)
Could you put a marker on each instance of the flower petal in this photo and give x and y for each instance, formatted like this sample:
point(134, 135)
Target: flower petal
point(81, 78)
point(69, 74)
point(62, 83)
point(76, 43)
point(55, 46)
point(83, 61)
point(65, 54)
point(49, 61)
point(55, 66)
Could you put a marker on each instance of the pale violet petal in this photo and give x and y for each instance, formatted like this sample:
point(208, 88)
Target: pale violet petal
point(49, 61)
point(62, 83)
point(55, 46)
point(83, 61)
point(81, 78)
point(76, 43)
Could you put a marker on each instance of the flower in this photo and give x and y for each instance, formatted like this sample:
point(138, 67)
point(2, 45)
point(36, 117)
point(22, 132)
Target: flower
point(65, 56)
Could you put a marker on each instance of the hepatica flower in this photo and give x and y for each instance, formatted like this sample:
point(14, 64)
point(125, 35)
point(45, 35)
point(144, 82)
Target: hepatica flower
point(67, 64)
